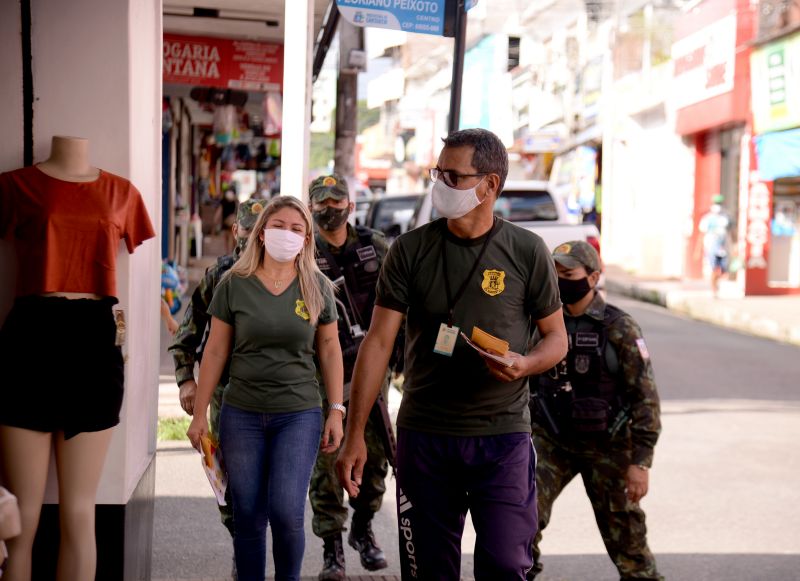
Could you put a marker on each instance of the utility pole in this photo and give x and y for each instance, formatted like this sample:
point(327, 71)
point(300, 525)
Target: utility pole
point(351, 61)
point(458, 67)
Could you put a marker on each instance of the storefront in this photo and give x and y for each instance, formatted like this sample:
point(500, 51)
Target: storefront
point(711, 96)
point(222, 127)
point(776, 148)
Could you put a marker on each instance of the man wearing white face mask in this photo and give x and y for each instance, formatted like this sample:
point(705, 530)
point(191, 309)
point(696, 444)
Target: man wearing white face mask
point(464, 426)
point(272, 311)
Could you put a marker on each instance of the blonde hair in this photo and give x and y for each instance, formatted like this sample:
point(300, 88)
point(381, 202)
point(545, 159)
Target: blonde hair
point(313, 282)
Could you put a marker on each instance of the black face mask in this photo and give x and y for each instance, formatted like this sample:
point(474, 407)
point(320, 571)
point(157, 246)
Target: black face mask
point(573, 290)
point(330, 218)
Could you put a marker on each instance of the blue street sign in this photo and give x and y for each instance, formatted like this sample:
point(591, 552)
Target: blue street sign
point(423, 16)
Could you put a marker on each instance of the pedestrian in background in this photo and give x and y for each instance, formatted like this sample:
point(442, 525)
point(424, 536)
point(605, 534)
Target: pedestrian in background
point(187, 347)
point(463, 441)
point(715, 225)
point(351, 257)
point(597, 414)
point(272, 311)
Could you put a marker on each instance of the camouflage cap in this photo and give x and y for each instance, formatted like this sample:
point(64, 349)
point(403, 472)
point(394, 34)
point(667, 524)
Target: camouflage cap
point(324, 187)
point(248, 213)
point(577, 253)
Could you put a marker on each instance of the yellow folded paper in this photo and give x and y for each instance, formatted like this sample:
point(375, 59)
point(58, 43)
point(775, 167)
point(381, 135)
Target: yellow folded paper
point(489, 342)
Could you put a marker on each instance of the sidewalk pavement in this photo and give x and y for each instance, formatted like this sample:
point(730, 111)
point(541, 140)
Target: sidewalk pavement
point(772, 317)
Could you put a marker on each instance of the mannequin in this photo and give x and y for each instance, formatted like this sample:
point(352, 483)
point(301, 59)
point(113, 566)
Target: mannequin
point(75, 406)
point(69, 160)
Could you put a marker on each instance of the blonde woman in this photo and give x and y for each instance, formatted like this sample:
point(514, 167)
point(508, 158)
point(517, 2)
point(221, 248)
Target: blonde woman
point(268, 314)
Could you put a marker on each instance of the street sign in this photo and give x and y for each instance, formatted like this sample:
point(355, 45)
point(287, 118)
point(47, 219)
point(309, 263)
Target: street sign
point(422, 16)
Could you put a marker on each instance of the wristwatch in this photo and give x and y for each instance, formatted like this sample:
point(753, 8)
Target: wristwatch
point(339, 407)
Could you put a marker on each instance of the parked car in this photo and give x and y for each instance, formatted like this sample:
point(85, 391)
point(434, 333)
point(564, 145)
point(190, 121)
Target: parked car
point(531, 205)
point(392, 213)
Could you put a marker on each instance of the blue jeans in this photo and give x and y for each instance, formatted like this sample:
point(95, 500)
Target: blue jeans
point(269, 459)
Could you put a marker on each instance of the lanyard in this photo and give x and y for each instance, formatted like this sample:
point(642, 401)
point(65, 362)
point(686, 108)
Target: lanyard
point(451, 301)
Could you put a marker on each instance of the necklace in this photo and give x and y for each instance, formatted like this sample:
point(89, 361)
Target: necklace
point(276, 282)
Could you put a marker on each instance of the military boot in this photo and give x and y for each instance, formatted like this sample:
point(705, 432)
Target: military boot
point(333, 554)
point(362, 540)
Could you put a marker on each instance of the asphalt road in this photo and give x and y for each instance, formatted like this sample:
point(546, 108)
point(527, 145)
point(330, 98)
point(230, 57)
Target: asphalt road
point(723, 496)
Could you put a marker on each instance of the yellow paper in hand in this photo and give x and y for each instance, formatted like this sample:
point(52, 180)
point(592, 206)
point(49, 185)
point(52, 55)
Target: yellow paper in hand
point(489, 342)
point(214, 468)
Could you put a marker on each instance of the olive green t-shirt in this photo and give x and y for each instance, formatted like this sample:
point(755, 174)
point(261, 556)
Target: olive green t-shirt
point(272, 367)
point(513, 286)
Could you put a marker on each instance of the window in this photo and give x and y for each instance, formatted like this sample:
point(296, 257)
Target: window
point(526, 206)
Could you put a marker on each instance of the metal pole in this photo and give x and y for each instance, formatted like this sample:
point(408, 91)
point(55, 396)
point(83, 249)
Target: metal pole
point(351, 38)
point(458, 67)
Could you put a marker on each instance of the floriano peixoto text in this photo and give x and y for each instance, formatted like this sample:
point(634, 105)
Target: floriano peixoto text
point(412, 5)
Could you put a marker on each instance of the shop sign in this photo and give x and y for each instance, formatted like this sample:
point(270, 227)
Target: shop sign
point(222, 62)
point(423, 16)
point(704, 62)
point(776, 85)
point(758, 218)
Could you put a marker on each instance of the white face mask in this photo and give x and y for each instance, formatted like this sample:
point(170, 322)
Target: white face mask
point(452, 203)
point(283, 245)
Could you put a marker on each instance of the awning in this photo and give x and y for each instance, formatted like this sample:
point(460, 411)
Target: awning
point(778, 154)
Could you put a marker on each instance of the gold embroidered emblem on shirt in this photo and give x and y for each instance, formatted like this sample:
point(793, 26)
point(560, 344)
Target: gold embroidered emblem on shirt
point(493, 282)
point(300, 309)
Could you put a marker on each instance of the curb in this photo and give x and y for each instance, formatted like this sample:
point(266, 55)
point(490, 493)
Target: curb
point(742, 315)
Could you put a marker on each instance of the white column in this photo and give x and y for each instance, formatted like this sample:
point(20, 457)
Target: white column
point(11, 119)
point(297, 55)
point(107, 88)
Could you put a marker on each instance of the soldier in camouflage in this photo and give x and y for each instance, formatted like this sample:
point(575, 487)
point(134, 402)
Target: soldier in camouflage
point(351, 257)
point(597, 414)
point(187, 347)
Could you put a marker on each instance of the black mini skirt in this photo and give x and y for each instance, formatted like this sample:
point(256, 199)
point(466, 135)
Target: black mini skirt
point(59, 367)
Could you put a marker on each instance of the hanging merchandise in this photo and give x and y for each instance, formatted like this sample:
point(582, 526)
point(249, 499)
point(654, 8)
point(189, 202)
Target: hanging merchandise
point(174, 282)
point(204, 167)
point(228, 158)
point(263, 160)
point(224, 124)
point(273, 113)
point(243, 155)
point(166, 116)
point(275, 148)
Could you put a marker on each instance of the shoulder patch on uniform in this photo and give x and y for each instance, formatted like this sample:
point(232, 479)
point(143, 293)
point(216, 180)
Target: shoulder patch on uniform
point(642, 348)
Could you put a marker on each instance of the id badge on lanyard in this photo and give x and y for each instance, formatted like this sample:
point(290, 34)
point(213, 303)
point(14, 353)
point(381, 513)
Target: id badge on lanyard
point(448, 332)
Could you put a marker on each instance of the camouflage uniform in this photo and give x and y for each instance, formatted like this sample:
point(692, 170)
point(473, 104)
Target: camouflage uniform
point(602, 459)
point(187, 346)
point(325, 492)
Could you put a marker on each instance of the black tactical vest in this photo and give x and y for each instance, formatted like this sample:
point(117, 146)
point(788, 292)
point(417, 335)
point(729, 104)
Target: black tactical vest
point(583, 393)
point(358, 267)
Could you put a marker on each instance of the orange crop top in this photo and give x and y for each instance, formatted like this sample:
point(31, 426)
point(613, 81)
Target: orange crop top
point(67, 233)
